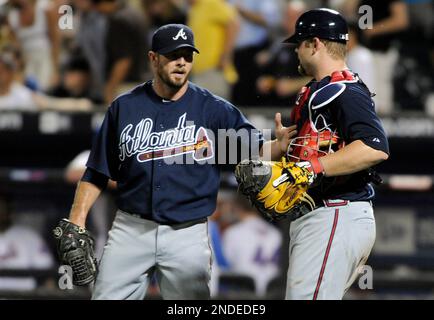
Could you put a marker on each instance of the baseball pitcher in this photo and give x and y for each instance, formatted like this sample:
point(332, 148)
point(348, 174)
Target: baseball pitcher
point(159, 143)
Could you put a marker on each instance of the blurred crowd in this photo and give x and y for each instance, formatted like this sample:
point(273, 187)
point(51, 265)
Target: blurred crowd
point(80, 60)
point(78, 54)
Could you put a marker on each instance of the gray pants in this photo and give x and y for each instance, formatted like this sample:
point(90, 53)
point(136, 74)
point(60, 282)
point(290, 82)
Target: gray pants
point(327, 247)
point(179, 256)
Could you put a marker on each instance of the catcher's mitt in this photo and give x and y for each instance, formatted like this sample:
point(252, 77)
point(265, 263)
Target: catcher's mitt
point(75, 248)
point(276, 189)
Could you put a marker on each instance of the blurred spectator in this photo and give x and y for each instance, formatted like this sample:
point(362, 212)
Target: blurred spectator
point(258, 18)
point(252, 246)
point(34, 24)
point(16, 96)
point(90, 39)
point(125, 45)
point(359, 58)
point(5, 36)
point(280, 80)
point(390, 18)
point(21, 248)
point(215, 27)
point(13, 95)
point(414, 74)
point(421, 18)
point(75, 81)
point(19, 74)
point(162, 12)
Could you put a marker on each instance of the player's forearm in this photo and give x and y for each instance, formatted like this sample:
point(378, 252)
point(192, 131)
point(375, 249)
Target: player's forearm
point(352, 158)
point(85, 196)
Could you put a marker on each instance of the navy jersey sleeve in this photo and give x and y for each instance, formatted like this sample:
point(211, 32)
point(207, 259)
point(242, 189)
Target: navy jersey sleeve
point(357, 119)
point(104, 156)
point(95, 178)
point(227, 116)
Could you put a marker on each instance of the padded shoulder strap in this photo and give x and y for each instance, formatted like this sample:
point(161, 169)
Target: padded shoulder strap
point(344, 75)
point(326, 94)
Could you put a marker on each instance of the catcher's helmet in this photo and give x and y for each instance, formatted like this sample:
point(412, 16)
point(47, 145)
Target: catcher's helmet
point(322, 23)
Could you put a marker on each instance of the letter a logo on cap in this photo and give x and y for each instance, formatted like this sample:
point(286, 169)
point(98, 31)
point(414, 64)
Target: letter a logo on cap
point(181, 34)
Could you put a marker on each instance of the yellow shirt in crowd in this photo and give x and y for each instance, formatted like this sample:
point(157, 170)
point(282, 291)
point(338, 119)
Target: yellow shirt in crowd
point(208, 20)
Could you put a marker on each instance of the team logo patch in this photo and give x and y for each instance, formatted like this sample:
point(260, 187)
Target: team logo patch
point(180, 34)
point(148, 145)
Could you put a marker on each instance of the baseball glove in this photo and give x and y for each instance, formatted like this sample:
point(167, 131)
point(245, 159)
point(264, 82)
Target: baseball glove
point(276, 189)
point(75, 248)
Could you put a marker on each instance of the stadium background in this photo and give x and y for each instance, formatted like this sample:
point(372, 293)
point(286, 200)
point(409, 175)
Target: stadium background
point(39, 140)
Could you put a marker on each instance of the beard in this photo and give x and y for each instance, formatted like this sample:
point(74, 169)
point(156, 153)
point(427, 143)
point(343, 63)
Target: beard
point(171, 83)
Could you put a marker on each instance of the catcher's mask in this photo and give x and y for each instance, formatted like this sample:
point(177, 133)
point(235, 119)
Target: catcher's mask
point(313, 144)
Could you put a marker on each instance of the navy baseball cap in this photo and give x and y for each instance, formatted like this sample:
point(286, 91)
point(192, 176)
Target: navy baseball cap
point(170, 37)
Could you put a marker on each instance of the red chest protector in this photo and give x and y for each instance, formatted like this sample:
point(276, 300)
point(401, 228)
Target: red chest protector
point(311, 142)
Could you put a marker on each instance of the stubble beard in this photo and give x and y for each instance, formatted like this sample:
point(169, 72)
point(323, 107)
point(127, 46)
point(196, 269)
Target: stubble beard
point(165, 78)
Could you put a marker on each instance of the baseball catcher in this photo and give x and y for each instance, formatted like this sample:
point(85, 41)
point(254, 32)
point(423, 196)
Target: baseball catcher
point(75, 248)
point(325, 183)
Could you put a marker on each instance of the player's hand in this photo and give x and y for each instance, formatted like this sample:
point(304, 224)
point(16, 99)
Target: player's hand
point(283, 134)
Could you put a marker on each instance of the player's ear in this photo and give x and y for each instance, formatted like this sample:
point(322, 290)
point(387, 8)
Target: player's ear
point(316, 42)
point(152, 56)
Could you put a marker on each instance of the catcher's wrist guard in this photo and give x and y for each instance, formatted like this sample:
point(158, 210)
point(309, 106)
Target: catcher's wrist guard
point(276, 189)
point(75, 248)
point(316, 166)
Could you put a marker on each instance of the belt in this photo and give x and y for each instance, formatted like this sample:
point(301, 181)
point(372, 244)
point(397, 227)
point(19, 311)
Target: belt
point(304, 208)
